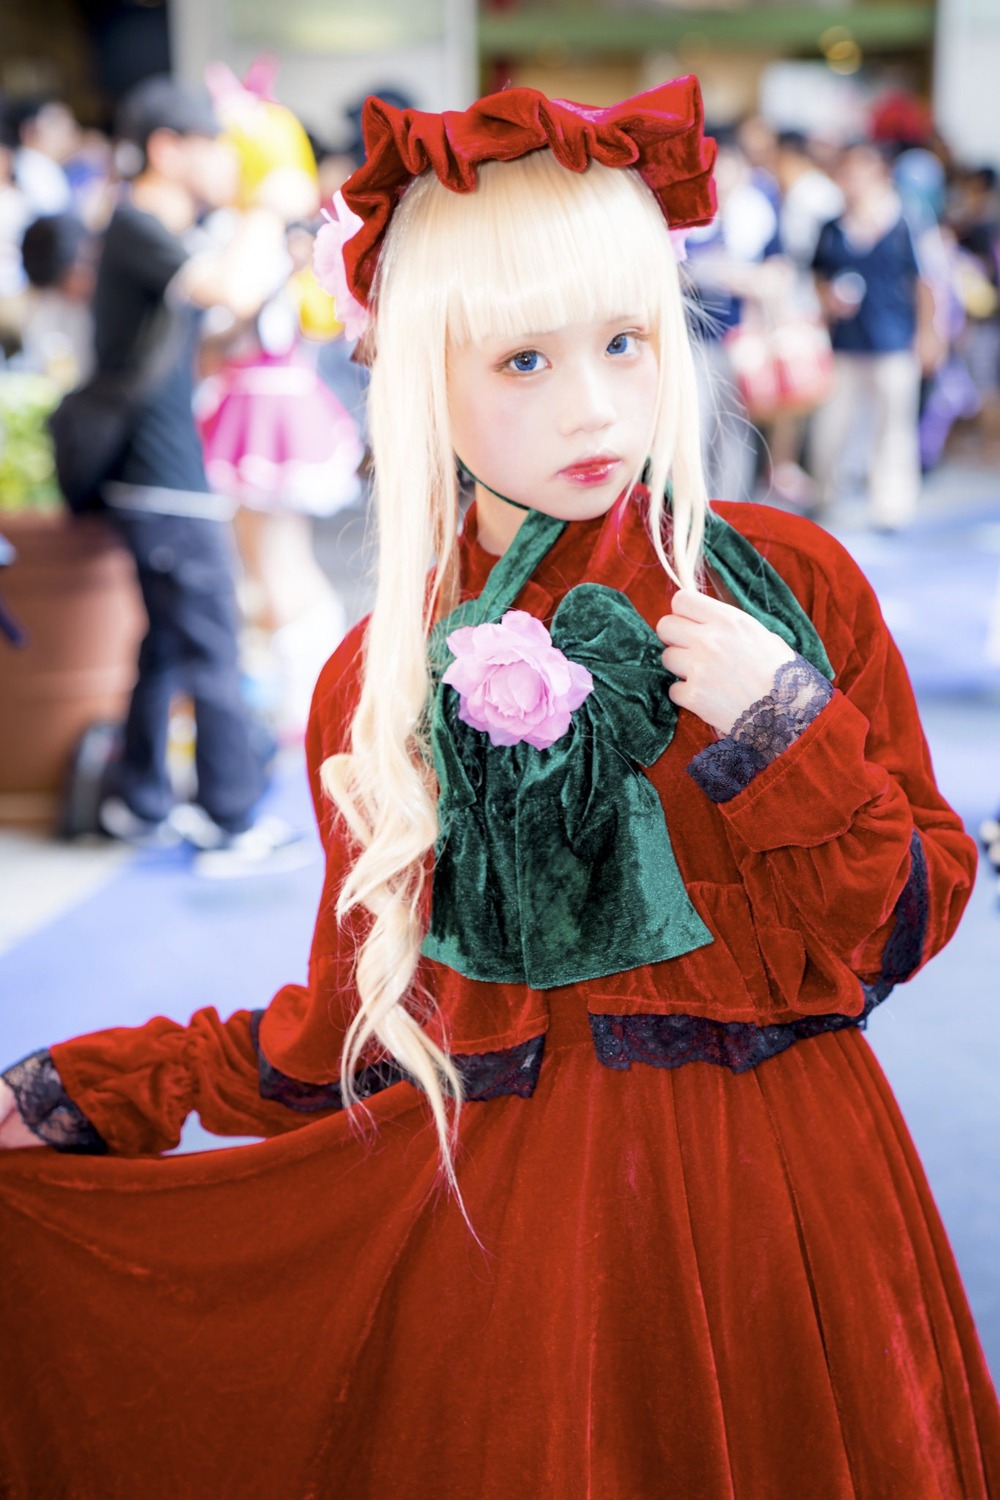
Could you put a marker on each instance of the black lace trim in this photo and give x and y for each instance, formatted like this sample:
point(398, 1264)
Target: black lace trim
point(799, 692)
point(905, 944)
point(672, 1041)
point(46, 1108)
point(486, 1075)
point(308, 1097)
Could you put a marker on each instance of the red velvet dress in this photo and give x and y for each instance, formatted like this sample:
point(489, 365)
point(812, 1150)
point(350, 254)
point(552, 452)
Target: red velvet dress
point(720, 1278)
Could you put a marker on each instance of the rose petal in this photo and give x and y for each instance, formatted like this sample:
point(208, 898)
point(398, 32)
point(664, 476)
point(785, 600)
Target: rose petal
point(555, 670)
point(544, 738)
point(582, 685)
point(528, 627)
point(462, 640)
point(525, 686)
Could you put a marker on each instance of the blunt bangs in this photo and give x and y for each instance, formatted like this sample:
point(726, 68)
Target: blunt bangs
point(535, 247)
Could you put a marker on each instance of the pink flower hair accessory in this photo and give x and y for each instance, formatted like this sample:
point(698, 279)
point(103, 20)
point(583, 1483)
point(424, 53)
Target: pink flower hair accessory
point(328, 265)
point(513, 684)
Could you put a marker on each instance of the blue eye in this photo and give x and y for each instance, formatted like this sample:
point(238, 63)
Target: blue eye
point(526, 362)
point(622, 343)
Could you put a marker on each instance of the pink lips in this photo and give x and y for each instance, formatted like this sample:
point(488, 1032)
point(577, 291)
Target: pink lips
point(591, 470)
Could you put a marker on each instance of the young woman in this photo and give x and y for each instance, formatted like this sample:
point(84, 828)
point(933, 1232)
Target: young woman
point(580, 1176)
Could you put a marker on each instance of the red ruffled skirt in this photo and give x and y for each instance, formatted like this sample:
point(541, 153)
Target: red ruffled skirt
point(690, 1284)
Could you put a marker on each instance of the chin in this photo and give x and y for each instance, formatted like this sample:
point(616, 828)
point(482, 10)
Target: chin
point(586, 506)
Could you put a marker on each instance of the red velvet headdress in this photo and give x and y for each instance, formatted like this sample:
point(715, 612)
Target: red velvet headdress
point(659, 133)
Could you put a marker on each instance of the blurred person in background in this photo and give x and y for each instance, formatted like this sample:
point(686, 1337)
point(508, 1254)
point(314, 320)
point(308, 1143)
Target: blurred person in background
point(90, 174)
point(154, 279)
point(809, 198)
point(725, 265)
point(974, 214)
point(276, 439)
point(881, 317)
point(57, 338)
point(47, 134)
point(759, 144)
point(949, 392)
point(61, 167)
point(15, 214)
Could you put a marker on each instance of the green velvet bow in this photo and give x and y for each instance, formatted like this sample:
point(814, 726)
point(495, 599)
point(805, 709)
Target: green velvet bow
point(555, 866)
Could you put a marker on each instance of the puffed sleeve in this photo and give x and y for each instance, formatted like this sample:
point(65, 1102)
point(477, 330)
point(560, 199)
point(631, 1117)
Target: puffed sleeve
point(128, 1090)
point(845, 831)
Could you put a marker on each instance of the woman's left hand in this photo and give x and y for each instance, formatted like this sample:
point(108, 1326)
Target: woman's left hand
point(726, 658)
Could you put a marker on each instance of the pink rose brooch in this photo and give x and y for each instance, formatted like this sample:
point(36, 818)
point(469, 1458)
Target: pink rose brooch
point(513, 684)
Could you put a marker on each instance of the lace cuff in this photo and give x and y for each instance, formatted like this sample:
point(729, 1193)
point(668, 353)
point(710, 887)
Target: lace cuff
point(485, 1075)
point(47, 1109)
point(904, 948)
point(799, 692)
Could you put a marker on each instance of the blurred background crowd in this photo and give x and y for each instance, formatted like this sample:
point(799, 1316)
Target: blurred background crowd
point(849, 225)
point(845, 300)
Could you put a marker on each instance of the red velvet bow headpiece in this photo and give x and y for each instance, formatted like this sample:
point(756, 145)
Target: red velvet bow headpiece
point(659, 133)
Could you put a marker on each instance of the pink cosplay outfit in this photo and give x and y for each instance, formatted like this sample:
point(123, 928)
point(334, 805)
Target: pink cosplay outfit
point(275, 437)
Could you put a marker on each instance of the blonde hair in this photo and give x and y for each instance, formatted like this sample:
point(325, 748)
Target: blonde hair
point(535, 247)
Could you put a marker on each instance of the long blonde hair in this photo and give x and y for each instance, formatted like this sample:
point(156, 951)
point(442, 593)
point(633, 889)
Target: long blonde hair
point(535, 247)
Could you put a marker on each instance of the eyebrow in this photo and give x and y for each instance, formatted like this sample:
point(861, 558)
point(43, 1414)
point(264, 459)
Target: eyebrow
point(521, 341)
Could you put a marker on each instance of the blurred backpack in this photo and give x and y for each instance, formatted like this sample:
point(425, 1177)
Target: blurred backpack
point(92, 426)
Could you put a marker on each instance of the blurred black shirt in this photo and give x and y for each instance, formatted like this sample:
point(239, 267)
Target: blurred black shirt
point(134, 321)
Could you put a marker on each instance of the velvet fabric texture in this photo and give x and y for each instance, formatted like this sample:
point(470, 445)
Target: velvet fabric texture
point(659, 133)
point(690, 1281)
point(555, 866)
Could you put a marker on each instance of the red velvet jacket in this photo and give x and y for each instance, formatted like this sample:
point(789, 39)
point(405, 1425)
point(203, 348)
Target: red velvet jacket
point(800, 877)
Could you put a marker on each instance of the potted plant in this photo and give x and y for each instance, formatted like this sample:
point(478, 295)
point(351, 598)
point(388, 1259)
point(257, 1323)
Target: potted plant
point(72, 590)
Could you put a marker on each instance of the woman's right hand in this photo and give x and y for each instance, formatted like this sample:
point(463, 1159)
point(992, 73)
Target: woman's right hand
point(13, 1131)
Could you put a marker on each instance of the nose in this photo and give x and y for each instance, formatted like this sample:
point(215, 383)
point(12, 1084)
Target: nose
point(589, 404)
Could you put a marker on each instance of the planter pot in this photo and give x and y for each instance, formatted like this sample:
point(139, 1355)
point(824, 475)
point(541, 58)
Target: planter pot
point(72, 588)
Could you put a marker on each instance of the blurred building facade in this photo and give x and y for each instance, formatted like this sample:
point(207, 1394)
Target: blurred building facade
point(333, 54)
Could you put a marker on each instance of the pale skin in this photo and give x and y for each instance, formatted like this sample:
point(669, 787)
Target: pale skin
point(521, 414)
point(13, 1131)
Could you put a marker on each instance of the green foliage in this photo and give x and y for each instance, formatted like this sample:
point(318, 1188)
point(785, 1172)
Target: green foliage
point(27, 467)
